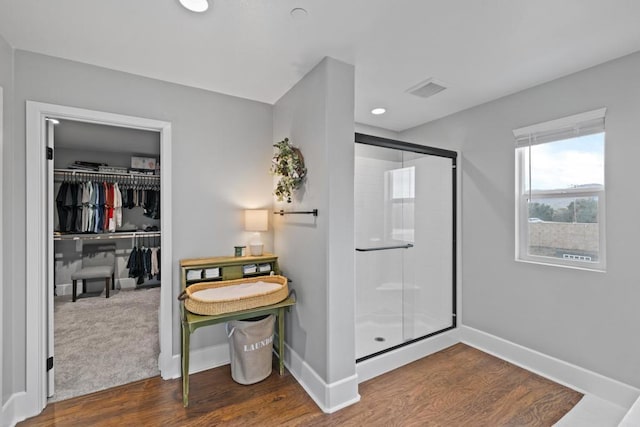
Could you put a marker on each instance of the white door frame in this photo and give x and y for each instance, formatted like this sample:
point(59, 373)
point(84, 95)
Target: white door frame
point(2, 340)
point(50, 255)
point(37, 237)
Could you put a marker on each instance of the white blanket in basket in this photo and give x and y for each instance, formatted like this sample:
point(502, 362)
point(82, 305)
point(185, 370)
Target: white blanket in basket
point(235, 292)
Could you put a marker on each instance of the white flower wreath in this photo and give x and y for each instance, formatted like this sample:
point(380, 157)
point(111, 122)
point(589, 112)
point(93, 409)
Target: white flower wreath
point(288, 164)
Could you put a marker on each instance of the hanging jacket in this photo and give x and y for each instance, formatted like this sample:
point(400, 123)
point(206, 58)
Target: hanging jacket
point(62, 213)
point(73, 202)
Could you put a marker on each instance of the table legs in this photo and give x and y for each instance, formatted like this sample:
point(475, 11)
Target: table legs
point(186, 333)
point(281, 339)
point(185, 365)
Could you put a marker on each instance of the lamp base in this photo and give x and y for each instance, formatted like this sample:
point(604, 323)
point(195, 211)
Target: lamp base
point(256, 249)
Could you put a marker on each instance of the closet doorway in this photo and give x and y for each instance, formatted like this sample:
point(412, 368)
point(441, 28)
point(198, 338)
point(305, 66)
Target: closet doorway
point(106, 216)
point(44, 179)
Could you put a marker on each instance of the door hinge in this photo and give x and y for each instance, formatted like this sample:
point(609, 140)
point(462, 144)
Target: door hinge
point(50, 363)
point(49, 153)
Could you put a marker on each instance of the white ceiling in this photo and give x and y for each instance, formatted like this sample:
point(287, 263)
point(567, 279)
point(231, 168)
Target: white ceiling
point(481, 49)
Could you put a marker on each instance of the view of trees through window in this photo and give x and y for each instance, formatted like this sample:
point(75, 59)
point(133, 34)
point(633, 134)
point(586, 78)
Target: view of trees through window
point(579, 210)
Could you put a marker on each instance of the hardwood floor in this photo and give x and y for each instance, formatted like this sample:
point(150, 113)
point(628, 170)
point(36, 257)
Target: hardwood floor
point(459, 386)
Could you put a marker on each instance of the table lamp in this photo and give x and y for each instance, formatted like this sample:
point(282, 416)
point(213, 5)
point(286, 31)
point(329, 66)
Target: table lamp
point(256, 220)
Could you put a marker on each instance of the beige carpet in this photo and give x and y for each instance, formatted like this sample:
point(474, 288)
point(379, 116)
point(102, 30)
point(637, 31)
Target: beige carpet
point(102, 343)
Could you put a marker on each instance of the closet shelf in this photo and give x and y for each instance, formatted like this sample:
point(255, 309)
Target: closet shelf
point(106, 236)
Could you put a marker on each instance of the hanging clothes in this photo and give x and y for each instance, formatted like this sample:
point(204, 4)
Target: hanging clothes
point(98, 189)
point(135, 264)
point(73, 212)
point(86, 195)
point(154, 262)
point(117, 206)
point(96, 207)
point(152, 204)
point(144, 263)
point(62, 213)
point(109, 222)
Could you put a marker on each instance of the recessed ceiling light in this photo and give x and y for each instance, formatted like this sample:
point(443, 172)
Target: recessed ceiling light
point(298, 13)
point(195, 5)
point(378, 111)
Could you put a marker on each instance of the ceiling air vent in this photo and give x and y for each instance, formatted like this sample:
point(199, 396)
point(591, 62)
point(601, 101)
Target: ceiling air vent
point(427, 88)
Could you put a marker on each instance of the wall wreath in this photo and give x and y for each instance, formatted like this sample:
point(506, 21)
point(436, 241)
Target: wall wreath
point(288, 164)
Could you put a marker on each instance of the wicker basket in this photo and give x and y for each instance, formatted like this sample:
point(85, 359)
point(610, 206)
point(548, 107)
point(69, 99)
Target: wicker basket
point(199, 306)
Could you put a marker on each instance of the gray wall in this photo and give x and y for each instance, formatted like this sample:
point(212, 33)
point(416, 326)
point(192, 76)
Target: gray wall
point(318, 253)
point(6, 82)
point(376, 131)
point(221, 153)
point(587, 318)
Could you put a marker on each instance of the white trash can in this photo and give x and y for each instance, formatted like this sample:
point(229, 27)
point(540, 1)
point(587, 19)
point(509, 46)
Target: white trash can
point(250, 348)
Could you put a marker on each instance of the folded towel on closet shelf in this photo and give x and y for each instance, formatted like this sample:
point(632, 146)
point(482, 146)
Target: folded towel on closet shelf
point(249, 268)
point(210, 273)
point(264, 268)
point(194, 274)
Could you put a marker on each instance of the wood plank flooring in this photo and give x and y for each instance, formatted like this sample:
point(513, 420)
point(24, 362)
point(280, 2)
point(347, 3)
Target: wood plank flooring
point(459, 386)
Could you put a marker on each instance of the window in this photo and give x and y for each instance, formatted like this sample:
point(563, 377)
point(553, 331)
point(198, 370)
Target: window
point(560, 191)
point(403, 183)
point(399, 209)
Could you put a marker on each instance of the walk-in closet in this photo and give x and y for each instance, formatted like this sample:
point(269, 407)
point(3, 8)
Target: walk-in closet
point(105, 204)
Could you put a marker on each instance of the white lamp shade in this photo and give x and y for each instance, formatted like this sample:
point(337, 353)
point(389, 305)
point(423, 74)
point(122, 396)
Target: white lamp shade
point(256, 220)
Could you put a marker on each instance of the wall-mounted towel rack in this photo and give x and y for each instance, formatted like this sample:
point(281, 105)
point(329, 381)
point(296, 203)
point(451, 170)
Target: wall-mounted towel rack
point(384, 248)
point(283, 212)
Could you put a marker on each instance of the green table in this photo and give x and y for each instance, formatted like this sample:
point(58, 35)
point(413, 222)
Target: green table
point(191, 322)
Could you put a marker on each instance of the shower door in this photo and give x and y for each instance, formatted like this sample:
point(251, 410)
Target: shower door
point(405, 250)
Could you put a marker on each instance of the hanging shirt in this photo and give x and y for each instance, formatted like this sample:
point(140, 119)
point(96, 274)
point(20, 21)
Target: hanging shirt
point(73, 213)
point(109, 208)
point(117, 205)
point(62, 214)
point(154, 261)
point(85, 206)
point(99, 207)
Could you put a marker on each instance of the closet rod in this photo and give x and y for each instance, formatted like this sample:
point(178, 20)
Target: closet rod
point(283, 212)
point(71, 173)
point(108, 236)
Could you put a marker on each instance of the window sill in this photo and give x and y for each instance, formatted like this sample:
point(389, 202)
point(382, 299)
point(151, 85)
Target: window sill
point(551, 264)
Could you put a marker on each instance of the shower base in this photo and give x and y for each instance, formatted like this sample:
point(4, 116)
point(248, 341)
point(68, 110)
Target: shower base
point(374, 336)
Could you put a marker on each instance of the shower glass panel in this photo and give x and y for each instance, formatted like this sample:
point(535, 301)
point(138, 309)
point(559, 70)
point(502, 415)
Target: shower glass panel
point(404, 247)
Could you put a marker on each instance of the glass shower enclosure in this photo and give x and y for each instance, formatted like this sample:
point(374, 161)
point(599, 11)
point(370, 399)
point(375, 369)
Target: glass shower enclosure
point(405, 210)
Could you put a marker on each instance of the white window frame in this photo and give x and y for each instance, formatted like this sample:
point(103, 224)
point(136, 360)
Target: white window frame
point(564, 127)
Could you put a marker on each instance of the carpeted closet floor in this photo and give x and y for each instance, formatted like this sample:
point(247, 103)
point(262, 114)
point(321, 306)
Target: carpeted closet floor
point(102, 343)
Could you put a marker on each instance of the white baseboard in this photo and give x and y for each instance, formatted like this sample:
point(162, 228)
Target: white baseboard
point(170, 367)
point(632, 418)
point(199, 360)
point(394, 359)
point(562, 372)
point(329, 397)
point(13, 410)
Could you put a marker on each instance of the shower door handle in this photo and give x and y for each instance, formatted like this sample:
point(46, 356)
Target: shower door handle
point(383, 248)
